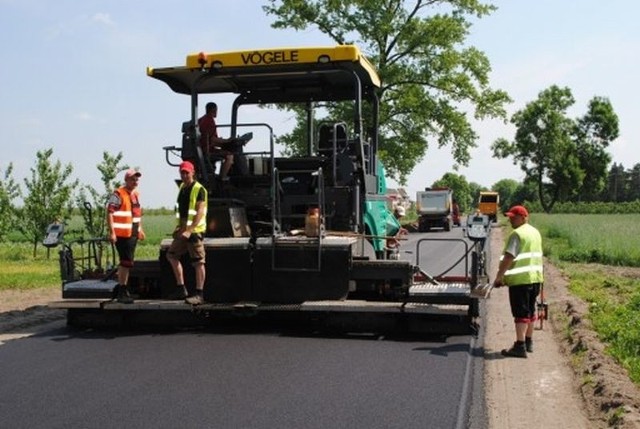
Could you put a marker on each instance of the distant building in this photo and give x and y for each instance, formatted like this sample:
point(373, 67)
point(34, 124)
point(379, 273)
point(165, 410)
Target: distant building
point(398, 197)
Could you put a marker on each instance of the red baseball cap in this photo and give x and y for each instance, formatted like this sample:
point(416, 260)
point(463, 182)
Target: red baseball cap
point(187, 166)
point(517, 210)
point(131, 173)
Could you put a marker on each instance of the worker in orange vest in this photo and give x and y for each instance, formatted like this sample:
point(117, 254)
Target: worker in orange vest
point(124, 216)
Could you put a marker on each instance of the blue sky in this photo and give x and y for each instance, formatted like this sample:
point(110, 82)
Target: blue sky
point(73, 77)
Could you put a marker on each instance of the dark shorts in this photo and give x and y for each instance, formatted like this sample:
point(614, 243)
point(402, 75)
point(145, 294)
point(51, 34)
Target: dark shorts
point(194, 246)
point(126, 248)
point(523, 302)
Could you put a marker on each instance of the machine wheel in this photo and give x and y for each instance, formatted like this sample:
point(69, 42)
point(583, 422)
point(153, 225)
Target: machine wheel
point(474, 270)
point(72, 320)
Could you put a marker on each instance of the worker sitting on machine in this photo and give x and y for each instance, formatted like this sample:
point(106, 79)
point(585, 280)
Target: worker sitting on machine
point(212, 145)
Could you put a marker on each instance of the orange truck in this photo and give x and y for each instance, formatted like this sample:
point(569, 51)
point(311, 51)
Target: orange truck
point(489, 204)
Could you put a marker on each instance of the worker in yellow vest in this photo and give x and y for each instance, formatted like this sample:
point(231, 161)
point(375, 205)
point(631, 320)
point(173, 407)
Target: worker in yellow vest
point(124, 219)
point(521, 269)
point(188, 236)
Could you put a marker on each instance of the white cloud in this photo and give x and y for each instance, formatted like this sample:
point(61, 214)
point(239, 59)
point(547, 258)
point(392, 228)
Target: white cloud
point(84, 116)
point(103, 18)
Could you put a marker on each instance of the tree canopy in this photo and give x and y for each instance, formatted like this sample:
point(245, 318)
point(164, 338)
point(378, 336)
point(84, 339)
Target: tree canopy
point(565, 157)
point(429, 77)
point(94, 219)
point(9, 191)
point(48, 198)
point(460, 187)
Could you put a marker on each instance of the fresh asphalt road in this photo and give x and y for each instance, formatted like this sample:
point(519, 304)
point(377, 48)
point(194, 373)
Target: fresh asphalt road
point(239, 378)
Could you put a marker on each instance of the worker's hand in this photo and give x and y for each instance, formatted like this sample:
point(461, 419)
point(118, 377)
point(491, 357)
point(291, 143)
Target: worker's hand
point(141, 235)
point(112, 237)
point(392, 243)
point(498, 282)
point(185, 234)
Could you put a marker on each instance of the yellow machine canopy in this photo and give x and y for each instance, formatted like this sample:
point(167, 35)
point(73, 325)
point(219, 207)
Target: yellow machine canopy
point(275, 75)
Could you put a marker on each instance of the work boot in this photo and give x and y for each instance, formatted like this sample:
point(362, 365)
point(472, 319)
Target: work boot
point(123, 296)
point(528, 344)
point(196, 299)
point(517, 350)
point(178, 295)
point(115, 292)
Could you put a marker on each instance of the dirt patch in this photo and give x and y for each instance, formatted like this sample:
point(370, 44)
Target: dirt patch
point(24, 308)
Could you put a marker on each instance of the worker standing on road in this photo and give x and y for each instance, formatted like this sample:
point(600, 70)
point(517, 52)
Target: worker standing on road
point(191, 215)
point(124, 216)
point(521, 269)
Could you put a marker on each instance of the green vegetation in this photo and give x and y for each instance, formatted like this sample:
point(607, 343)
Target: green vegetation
point(565, 157)
point(586, 207)
point(605, 239)
point(614, 309)
point(21, 270)
point(427, 69)
point(614, 299)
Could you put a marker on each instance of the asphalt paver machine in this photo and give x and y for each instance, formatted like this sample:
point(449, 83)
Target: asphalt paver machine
point(302, 235)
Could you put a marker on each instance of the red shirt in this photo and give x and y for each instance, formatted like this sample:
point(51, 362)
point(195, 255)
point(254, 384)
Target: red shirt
point(208, 129)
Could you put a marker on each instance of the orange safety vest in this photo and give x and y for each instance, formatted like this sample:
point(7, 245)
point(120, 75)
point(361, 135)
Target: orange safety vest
point(123, 219)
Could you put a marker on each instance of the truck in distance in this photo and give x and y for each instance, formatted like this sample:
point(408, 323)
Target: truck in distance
point(435, 209)
point(489, 204)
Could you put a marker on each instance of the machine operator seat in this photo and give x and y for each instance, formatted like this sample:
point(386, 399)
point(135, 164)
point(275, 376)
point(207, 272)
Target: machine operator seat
point(191, 151)
point(330, 133)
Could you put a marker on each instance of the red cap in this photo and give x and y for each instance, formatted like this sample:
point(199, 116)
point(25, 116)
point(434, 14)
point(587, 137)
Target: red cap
point(131, 173)
point(517, 210)
point(187, 166)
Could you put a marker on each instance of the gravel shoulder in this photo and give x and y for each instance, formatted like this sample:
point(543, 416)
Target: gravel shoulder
point(567, 382)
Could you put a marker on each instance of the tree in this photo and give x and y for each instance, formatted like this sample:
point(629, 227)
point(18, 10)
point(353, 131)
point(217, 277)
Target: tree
point(594, 132)
point(474, 190)
point(9, 191)
point(428, 76)
point(526, 193)
point(48, 197)
point(94, 219)
point(507, 188)
point(634, 183)
point(616, 187)
point(557, 152)
point(460, 187)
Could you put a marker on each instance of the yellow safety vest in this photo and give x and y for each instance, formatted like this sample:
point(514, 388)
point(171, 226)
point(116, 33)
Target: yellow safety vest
point(527, 266)
point(202, 225)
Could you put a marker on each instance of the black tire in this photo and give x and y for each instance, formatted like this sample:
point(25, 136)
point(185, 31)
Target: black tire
point(474, 269)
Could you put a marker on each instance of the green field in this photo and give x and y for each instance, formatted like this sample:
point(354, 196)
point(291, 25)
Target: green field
point(604, 239)
point(21, 270)
point(573, 240)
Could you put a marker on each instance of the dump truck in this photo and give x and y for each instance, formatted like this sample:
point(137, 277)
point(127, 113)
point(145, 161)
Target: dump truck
point(435, 209)
point(261, 259)
point(489, 204)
